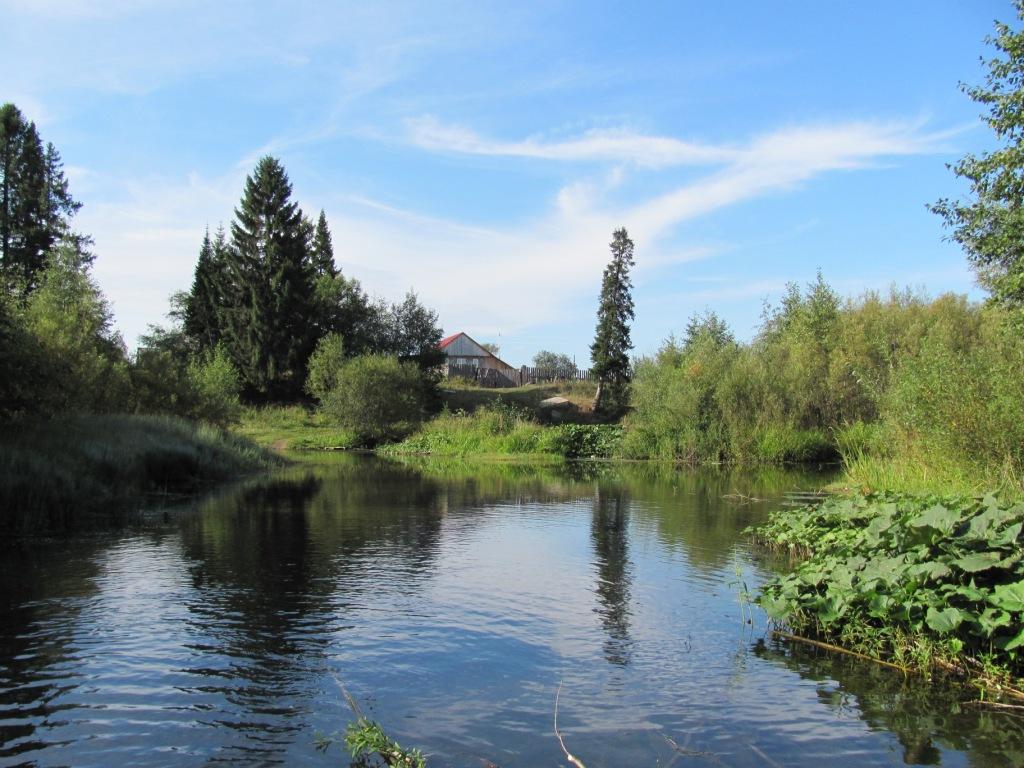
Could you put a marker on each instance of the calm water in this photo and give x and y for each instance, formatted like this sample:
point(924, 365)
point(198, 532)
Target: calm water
point(450, 602)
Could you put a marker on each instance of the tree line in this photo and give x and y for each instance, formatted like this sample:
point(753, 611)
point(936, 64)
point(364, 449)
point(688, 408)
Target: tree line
point(266, 298)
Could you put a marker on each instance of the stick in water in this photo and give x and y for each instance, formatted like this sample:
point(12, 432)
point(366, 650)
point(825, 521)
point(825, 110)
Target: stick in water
point(568, 756)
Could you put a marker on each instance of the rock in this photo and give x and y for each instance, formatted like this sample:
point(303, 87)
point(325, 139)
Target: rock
point(556, 404)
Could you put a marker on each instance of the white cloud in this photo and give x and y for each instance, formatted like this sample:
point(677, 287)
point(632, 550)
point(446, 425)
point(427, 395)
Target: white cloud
point(494, 279)
point(622, 145)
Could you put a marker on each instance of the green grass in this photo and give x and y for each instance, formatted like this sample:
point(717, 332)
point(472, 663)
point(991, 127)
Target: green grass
point(63, 472)
point(505, 430)
point(921, 581)
point(460, 396)
point(292, 428)
point(928, 473)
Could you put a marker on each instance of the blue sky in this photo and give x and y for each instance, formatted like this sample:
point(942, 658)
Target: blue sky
point(483, 154)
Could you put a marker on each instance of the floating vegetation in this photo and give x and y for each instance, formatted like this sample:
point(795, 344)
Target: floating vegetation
point(921, 581)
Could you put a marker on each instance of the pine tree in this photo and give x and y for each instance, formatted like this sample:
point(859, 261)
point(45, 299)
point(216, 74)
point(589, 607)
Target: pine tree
point(610, 350)
point(269, 326)
point(323, 249)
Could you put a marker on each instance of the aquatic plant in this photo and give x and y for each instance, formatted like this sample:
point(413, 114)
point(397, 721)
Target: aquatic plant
point(919, 580)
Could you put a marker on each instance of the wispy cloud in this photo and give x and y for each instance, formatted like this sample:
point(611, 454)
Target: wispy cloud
point(621, 145)
point(504, 278)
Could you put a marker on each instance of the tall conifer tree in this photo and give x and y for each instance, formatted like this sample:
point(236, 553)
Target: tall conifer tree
point(610, 350)
point(270, 328)
point(323, 249)
point(203, 305)
point(35, 205)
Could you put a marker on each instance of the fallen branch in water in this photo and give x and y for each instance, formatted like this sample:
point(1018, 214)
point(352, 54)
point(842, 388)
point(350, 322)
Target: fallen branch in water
point(994, 704)
point(838, 649)
point(366, 737)
point(568, 755)
point(742, 498)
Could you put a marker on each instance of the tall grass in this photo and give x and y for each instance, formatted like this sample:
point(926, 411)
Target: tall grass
point(506, 430)
point(74, 470)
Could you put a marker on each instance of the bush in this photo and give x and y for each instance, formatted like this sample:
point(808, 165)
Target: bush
point(324, 366)
point(214, 385)
point(377, 397)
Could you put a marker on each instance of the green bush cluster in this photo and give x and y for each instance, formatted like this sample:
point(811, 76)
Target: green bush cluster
point(895, 575)
point(379, 398)
point(60, 356)
point(886, 382)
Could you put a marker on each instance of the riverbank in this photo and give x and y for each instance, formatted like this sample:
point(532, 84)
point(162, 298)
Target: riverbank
point(928, 583)
point(71, 470)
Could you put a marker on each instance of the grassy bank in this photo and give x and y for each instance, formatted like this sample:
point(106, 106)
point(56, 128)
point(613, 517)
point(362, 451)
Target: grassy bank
point(292, 428)
point(505, 430)
point(59, 473)
point(924, 582)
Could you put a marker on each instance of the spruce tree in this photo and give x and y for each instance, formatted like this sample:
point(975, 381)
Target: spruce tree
point(204, 301)
point(269, 328)
point(610, 350)
point(323, 249)
point(35, 205)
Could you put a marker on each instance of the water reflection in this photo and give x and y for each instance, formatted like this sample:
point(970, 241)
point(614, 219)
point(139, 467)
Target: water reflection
point(609, 532)
point(451, 598)
point(927, 720)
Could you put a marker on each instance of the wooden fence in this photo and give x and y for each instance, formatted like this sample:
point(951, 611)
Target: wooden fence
point(490, 377)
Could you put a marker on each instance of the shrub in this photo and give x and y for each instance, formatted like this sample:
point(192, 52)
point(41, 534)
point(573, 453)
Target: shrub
point(378, 397)
point(214, 385)
point(324, 366)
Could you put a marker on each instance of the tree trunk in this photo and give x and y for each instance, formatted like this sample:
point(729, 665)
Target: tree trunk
point(597, 397)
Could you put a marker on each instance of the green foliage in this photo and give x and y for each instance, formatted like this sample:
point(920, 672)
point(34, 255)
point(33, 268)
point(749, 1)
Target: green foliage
point(611, 346)
point(214, 383)
point(204, 305)
point(365, 738)
point(507, 429)
point(990, 227)
point(882, 570)
point(293, 427)
point(325, 366)
point(269, 324)
point(322, 254)
point(35, 205)
point(380, 398)
point(27, 385)
point(496, 429)
point(70, 320)
point(893, 378)
point(585, 440)
point(553, 365)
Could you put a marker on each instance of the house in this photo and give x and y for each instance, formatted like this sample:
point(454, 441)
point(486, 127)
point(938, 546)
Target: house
point(467, 358)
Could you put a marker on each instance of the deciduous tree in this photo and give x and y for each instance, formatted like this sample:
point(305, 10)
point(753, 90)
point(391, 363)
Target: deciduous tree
point(990, 225)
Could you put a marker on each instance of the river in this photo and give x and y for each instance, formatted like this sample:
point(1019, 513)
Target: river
point(451, 601)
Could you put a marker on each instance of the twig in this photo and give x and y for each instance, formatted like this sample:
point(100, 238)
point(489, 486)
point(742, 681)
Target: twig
point(348, 696)
point(742, 498)
point(568, 755)
point(838, 649)
point(765, 757)
point(684, 750)
point(996, 704)
point(994, 685)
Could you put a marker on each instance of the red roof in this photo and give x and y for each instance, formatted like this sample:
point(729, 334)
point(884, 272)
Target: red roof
point(445, 342)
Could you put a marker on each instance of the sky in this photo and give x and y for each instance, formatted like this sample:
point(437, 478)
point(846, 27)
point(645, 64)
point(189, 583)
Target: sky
point(483, 153)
